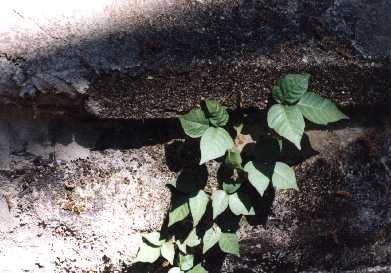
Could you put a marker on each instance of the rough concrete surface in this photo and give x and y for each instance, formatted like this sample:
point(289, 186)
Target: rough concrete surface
point(61, 214)
point(138, 59)
point(88, 92)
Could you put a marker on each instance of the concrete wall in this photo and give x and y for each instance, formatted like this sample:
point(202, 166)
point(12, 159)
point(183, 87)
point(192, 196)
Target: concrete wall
point(89, 94)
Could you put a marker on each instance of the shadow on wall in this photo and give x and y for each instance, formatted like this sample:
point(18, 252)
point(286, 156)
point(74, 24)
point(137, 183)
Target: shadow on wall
point(45, 140)
point(154, 54)
point(339, 220)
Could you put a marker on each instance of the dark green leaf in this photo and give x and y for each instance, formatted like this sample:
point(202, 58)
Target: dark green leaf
point(256, 178)
point(198, 204)
point(284, 177)
point(319, 110)
point(214, 143)
point(233, 159)
point(287, 121)
point(186, 262)
point(194, 123)
point(211, 237)
point(229, 243)
point(219, 202)
point(217, 114)
point(179, 210)
point(290, 88)
point(240, 204)
point(148, 254)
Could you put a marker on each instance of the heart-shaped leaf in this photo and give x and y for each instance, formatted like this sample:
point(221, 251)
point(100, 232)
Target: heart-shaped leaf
point(287, 121)
point(319, 110)
point(211, 237)
point(179, 210)
point(240, 204)
point(148, 254)
point(284, 177)
point(256, 178)
point(198, 204)
point(192, 239)
point(217, 114)
point(194, 123)
point(186, 262)
point(291, 88)
point(219, 202)
point(168, 252)
point(214, 143)
point(229, 243)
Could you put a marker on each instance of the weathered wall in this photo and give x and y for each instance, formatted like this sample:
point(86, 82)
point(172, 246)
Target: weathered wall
point(88, 92)
point(78, 195)
point(137, 59)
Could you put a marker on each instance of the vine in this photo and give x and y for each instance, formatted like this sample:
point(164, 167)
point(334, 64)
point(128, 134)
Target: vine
point(230, 202)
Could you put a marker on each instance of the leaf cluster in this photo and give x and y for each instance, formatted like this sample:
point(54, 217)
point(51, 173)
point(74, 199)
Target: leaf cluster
point(230, 202)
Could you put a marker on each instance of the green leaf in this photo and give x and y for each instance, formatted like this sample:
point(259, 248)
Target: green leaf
point(192, 239)
point(198, 206)
point(198, 269)
point(229, 243)
point(168, 252)
point(153, 238)
point(186, 262)
point(256, 178)
point(287, 121)
point(284, 177)
point(211, 237)
point(319, 110)
point(214, 143)
point(230, 186)
point(148, 254)
point(179, 210)
point(175, 270)
point(217, 114)
point(181, 246)
point(233, 159)
point(239, 203)
point(290, 88)
point(194, 123)
point(219, 202)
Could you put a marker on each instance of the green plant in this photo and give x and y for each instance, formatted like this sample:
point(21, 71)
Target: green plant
point(230, 201)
